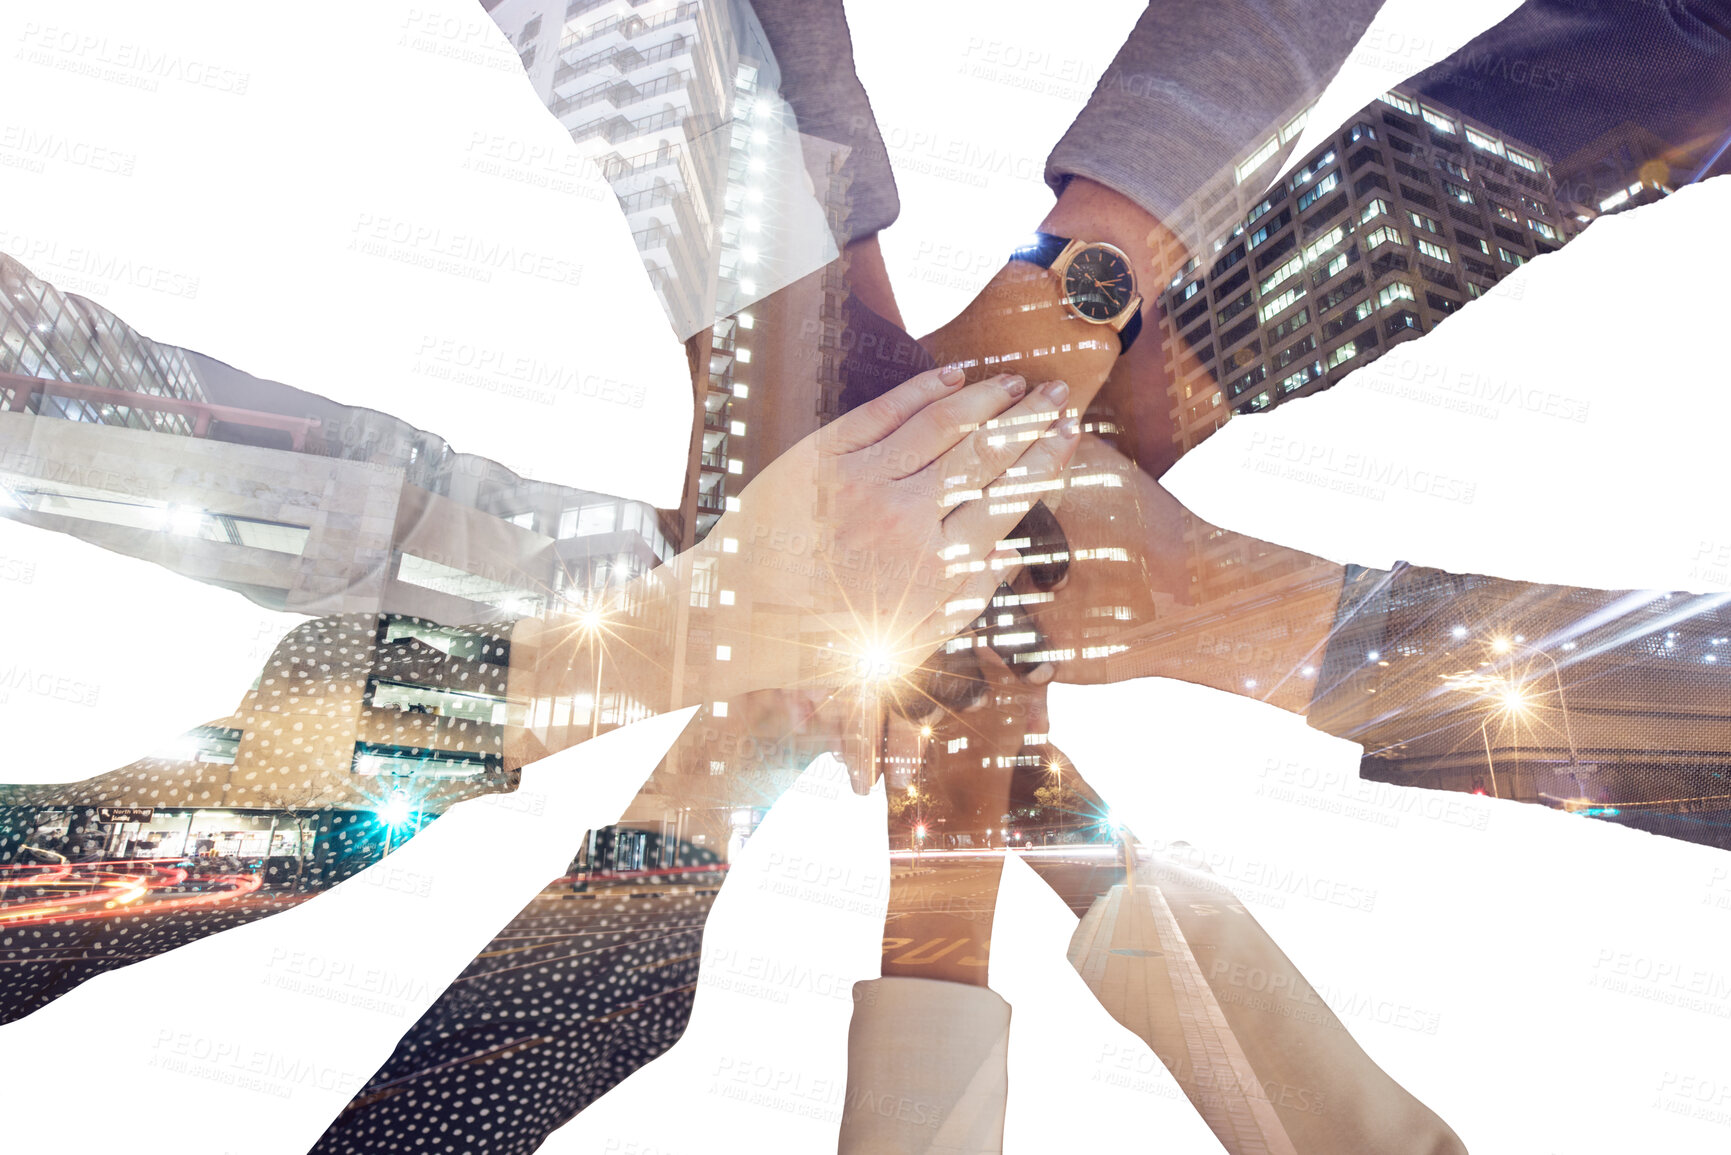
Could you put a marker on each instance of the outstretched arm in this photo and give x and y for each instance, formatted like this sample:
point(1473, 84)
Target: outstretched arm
point(859, 539)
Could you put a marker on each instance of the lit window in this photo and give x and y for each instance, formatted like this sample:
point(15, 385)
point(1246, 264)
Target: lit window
point(729, 545)
point(743, 356)
point(1395, 291)
point(737, 428)
point(731, 504)
point(1324, 185)
point(1294, 126)
point(1324, 243)
point(719, 709)
point(1280, 303)
point(1524, 161)
point(726, 597)
point(1400, 102)
point(1463, 195)
point(1435, 252)
point(1511, 258)
point(1375, 208)
point(1345, 352)
point(1380, 236)
point(1361, 131)
point(1437, 120)
point(741, 390)
point(1488, 144)
point(1542, 229)
point(735, 465)
point(1190, 290)
point(746, 321)
point(724, 653)
point(1256, 160)
point(1280, 274)
point(1428, 224)
point(1613, 200)
point(1336, 265)
point(1507, 213)
point(1298, 380)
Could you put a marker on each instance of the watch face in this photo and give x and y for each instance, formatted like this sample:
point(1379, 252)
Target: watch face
point(1099, 283)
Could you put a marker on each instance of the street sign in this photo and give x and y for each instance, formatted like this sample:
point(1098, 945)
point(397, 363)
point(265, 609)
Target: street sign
point(125, 813)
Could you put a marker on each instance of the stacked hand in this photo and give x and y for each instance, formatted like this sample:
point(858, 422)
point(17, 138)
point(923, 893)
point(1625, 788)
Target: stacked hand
point(867, 531)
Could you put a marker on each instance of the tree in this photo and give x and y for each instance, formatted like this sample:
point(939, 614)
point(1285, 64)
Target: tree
point(911, 807)
point(300, 804)
point(1063, 802)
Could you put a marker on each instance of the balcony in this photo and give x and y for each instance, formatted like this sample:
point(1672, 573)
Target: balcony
point(623, 59)
point(579, 7)
point(617, 129)
point(621, 93)
point(627, 27)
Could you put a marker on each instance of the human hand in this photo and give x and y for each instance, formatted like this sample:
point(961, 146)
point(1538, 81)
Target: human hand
point(1123, 555)
point(850, 547)
point(1019, 322)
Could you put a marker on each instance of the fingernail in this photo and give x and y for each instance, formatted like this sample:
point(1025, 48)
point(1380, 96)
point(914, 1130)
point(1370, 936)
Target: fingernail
point(1015, 385)
point(1069, 427)
point(1056, 391)
point(1042, 673)
point(951, 375)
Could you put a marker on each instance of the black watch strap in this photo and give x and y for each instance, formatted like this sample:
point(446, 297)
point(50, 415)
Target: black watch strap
point(1128, 333)
point(1043, 250)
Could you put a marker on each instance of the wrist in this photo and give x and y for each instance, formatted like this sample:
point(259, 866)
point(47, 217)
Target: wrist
point(1019, 322)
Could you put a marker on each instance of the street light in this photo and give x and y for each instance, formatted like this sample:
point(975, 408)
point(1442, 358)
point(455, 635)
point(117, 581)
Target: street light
point(395, 811)
point(1503, 646)
point(874, 665)
point(592, 621)
point(1511, 695)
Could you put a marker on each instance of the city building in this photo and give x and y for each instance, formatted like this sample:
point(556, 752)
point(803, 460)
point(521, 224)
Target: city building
point(325, 509)
point(414, 560)
point(1404, 215)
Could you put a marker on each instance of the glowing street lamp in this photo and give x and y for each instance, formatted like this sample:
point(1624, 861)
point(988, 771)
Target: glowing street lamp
point(1504, 645)
point(396, 810)
point(593, 622)
point(874, 665)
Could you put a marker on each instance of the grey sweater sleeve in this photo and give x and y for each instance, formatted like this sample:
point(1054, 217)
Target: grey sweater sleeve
point(814, 52)
point(1196, 86)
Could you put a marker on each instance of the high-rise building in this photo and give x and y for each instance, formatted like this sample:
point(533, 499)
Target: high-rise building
point(1408, 212)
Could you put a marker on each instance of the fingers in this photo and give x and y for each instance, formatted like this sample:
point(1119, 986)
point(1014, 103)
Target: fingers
point(984, 454)
point(974, 526)
point(937, 428)
point(884, 414)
